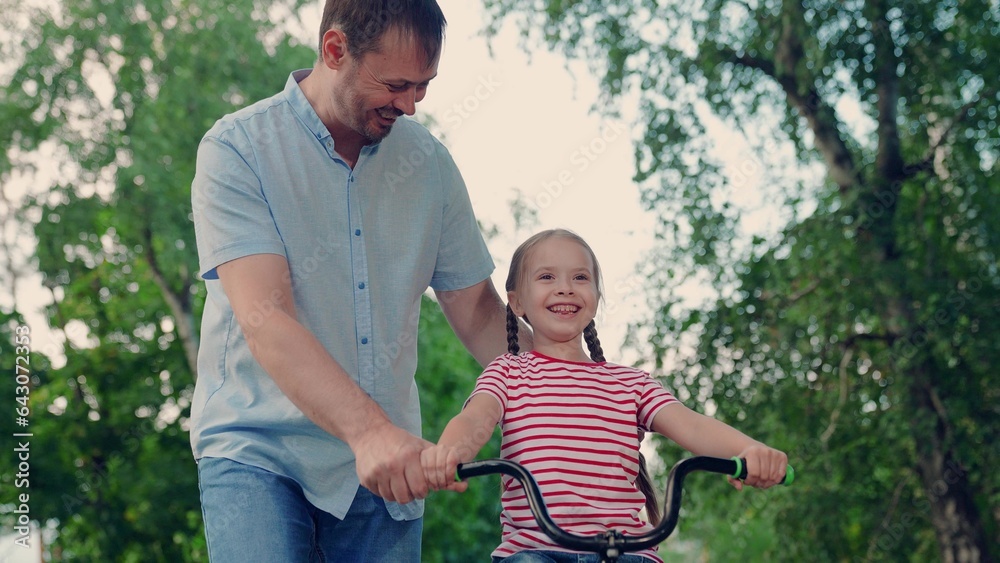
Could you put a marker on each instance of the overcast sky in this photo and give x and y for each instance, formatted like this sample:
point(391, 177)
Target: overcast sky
point(522, 124)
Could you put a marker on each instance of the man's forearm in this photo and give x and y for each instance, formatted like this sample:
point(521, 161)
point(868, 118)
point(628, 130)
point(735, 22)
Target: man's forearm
point(314, 382)
point(479, 318)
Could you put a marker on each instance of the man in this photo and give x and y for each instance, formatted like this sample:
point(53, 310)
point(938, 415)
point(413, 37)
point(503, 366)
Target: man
point(322, 215)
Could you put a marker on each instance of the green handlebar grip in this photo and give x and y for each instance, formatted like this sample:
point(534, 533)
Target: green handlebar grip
point(741, 472)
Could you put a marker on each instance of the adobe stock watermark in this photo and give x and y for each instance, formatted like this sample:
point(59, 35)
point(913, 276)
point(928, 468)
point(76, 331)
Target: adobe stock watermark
point(409, 163)
point(405, 341)
point(322, 251)
point(459, 112)
point(621, 290)
point(581, 159)
point(895, 530)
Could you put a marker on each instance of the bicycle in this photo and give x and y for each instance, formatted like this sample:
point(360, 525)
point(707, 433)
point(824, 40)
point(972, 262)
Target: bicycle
point(611, 544)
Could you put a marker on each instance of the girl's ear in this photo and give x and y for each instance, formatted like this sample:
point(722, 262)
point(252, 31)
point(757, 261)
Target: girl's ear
point(515, 304)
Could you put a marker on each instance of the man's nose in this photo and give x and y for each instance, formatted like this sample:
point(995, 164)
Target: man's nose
point(406, 102)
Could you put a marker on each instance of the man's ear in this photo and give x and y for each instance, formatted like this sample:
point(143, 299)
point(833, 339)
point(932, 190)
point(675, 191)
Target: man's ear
point(334, 49)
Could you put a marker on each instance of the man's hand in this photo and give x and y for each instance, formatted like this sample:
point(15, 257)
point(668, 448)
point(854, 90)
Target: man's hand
point(388, 463)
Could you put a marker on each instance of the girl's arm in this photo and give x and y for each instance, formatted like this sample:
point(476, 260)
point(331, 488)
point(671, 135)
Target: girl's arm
point(461, 440)
point(704, 435)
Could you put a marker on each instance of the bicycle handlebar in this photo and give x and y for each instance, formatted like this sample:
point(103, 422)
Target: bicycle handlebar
point(601, 543)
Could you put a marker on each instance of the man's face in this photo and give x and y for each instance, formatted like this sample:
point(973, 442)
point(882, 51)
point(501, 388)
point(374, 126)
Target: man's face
point(383, 85)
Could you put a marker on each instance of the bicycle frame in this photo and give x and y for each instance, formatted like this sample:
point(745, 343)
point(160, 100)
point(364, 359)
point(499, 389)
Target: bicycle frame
point(611, 544)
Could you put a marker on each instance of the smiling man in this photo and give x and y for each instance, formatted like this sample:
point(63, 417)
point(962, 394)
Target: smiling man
point(317, 233)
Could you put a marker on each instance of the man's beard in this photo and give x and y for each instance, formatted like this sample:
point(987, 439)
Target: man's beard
point(374, 133)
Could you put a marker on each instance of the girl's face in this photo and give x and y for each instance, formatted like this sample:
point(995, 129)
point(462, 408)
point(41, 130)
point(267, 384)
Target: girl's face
point(558, 293)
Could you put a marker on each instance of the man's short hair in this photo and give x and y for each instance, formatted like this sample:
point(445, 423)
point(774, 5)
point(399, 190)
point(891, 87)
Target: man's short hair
point(364, 22)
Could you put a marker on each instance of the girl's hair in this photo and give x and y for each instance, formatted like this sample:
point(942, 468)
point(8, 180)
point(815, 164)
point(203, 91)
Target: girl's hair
point(645, 485)
point(515, 276)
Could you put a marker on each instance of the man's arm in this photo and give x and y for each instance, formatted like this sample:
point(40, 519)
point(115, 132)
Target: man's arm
point(388, 457)
point(479, 318)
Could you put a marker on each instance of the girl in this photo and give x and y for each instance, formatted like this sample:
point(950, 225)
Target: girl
point(572, 419)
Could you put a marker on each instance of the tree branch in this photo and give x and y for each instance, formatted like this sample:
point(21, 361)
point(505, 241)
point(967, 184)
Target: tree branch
point(842, 398)
point(927, 162)
point(888, 158)
point(794, 297)
point(788, 71)
point(179, 303)
point(886, 338)
point(889, 515)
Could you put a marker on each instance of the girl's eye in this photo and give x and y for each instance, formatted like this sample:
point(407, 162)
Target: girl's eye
point(545, 277)
point(582, 277)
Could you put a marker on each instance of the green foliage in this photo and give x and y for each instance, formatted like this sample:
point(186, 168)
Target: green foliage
point(457, 527)
point(860, 336)
point(123, 90)
point(126, 90)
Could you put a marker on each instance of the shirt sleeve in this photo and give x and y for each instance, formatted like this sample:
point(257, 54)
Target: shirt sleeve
point(463, 259)
point(232, 218)
point(493, 382)
point(653, 398)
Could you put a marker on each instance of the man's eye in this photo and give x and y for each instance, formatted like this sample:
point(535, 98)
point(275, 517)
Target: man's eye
point(397, 88)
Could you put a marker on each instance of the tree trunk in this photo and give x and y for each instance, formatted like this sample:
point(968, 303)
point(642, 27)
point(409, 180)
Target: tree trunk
point(954, 514)
point(948, 495)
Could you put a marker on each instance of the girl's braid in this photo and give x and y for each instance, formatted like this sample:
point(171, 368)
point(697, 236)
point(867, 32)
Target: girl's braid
point(512, 326)
point(593, 344)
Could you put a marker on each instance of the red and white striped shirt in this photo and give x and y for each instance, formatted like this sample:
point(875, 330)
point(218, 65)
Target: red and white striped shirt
point(574, 427)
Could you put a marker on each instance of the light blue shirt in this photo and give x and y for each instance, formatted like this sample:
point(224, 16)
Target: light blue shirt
point(362, 246)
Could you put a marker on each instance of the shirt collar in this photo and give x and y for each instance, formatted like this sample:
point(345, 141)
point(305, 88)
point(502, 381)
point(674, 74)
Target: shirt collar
point(301, 106)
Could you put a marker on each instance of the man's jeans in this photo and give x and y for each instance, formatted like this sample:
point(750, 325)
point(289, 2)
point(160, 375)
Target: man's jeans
point(254, 515)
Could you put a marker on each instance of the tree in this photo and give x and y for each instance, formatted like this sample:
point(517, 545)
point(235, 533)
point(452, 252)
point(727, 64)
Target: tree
point(122, 92)
point(860, 335)
point(117, 93)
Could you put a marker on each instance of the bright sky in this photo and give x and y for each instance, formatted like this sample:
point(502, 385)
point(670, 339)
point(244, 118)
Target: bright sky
point(515, 124)
point(519, 123)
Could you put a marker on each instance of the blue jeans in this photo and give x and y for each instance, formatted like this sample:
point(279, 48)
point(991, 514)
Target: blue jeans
point(563, 557)
point(254, 515)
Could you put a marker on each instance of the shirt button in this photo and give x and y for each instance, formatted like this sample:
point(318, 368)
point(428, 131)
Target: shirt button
point(364, 340)
point(357, 232)
point(361, 285)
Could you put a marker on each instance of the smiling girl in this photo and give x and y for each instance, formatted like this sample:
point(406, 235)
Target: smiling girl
point(573, 419)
